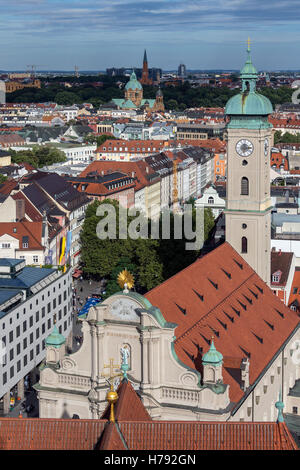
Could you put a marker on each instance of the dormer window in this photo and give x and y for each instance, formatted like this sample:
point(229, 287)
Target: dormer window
point(25, 241)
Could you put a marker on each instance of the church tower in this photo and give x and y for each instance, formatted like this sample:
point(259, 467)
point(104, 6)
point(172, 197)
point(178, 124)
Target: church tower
point(248, 206)
point(159, 101)
point(145, 80)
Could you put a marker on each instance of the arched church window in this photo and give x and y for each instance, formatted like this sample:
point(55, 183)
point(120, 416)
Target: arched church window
point(210, 200)
point(244, 186)
point(247, 86)
point(51, 355)
point(244, 245)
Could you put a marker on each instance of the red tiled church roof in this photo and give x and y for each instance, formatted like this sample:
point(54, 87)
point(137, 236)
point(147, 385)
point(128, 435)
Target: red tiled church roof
point(220, 295)
point(96, 434)
point(49, 434)
point(178, 435)
point(111, 438)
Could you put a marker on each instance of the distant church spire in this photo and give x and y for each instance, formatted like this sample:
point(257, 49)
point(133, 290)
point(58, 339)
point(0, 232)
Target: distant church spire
point(145, 57)
point(145, 80)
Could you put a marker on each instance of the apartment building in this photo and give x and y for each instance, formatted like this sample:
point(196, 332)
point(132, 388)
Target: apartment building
point(128, 150)
point(63, 205)
point(32, 299)
point(80, 153)
point(147, 182)
point(199, 131)
point(112, 185)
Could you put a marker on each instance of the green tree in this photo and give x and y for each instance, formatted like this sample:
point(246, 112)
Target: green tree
point(47, 155)
point(209, 222)
point(39, 156)
point(24, 156)
point(277, 137)
point(100, 139)
point(67, 98)
point(172, 104)
point(3, 178)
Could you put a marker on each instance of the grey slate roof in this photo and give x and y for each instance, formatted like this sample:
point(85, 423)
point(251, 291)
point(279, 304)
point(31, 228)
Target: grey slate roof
point(26, 278)
point(10, 262)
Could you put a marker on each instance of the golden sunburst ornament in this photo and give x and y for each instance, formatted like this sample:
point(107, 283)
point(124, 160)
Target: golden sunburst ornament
point(125, 277)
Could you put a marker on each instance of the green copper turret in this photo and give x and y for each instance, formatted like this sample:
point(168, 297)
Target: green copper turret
point(249, 109)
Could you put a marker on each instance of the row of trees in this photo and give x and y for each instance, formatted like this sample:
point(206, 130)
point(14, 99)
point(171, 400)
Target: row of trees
point(98, 139)
point(39, 156)
point(151, 261)
point(286, 138)
point(175, 98)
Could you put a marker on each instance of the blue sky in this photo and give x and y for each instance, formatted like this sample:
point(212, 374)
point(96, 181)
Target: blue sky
point(203, 34)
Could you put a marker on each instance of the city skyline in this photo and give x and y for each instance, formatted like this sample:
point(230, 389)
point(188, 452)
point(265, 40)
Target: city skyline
point(96, 35)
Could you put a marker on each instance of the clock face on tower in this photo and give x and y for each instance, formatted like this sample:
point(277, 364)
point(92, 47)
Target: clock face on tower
point(244, 147)
point(266, 146)
point(124, 309)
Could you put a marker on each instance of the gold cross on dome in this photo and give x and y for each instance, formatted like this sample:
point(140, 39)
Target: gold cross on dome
point(248, 43)
point(111, 366)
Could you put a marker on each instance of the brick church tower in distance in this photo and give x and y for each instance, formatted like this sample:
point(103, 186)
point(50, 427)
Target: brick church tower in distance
point(145, 80)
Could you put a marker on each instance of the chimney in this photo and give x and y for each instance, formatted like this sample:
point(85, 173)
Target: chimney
point(245, 366)
point(20, 209)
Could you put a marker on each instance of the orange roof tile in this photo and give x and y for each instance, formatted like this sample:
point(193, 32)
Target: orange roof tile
point(139, 169)
point(129, 406)
point(295, 288)
point(216, 145)
point(7, 187)
point(176, 435)
point(49, 434)
point(111, 438)
point(95, 434)
point(32, 230)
